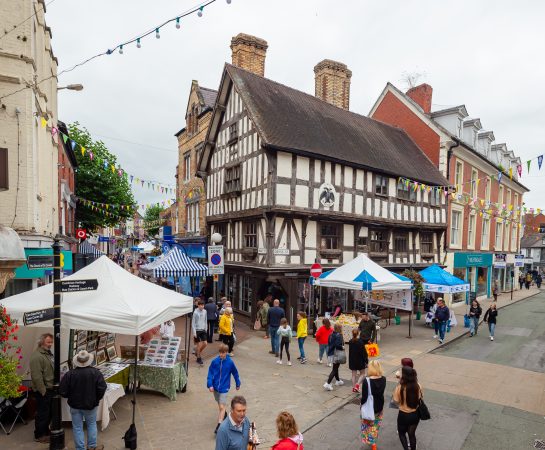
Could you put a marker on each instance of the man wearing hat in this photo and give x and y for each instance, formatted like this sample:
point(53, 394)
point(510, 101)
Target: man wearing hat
point(84, 387)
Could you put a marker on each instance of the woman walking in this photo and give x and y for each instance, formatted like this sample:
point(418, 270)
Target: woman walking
point(288, 433)
point(322, 337)
point(334, 344)
point(475, 312)
point(262, 314)
point(377, 382)
point(407, 395)
point(302, 334)
point(357, 358)
point(495, 291)
point(521, 281)
point(490, 316)
point(284, 333)
point(226, 329)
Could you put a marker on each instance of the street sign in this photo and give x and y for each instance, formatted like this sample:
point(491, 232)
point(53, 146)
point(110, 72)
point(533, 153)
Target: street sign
point(38, 316)
point(215, 260)
point(316, 270)
point(79, 285)
point(39, 261)
point(81, 233)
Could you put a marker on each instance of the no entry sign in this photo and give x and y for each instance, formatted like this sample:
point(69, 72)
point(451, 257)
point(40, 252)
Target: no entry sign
point(316, 270)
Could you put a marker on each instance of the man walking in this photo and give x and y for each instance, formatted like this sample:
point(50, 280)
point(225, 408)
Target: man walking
point(274, 316)
point(368, 329)
point(84, 387)
point(234, 432)
point(41, 373)
point(442, 316)
point(211, 316)
point(219, 380)
point(198, 324)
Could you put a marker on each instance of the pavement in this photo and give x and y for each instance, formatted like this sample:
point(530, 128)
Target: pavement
point(188, 423)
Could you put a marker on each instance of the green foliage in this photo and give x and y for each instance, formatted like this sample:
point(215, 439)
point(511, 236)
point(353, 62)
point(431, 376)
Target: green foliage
point(417, 280)
point(151, 220)
point(10, 356)
point(95, 183)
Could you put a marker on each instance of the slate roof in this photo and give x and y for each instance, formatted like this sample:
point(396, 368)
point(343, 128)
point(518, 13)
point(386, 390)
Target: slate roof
point(209, 97)
point(532, 241)
point(291, 120)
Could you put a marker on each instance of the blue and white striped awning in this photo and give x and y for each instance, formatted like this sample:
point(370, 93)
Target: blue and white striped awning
point(89, 249)
point(175, 264)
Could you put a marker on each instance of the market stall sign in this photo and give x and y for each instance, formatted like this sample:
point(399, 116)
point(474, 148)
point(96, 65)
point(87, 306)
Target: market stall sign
point(41, 315)
point(39, 261)
point(316, 270)
point(79, 285)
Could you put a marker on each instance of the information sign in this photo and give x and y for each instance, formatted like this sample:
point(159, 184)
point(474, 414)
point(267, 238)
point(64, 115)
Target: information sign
point(79, 285)
point(215, 260)
point(41, 315)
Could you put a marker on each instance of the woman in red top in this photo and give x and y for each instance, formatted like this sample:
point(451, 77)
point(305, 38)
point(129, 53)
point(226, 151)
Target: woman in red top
point(290, 438)
point(322, 336)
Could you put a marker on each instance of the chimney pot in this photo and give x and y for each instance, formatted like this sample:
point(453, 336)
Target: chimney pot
point(248, 52)
point(332, 82)
point(422, 94)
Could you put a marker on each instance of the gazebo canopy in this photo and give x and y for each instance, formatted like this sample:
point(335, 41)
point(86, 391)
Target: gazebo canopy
point(364, 274)
point(174, 264)
point(437, 279)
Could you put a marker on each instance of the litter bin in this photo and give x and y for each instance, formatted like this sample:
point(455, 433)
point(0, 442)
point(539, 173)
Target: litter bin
point(397, 320)
point(418, 315)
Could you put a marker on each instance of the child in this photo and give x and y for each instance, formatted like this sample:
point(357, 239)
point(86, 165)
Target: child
point(301, 335)
point(322, 336)
point(285, 337)
point(357, 359)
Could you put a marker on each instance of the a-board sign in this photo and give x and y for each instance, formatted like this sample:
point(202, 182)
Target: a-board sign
point(41, 315)
point(39, 261)
point(79, 285)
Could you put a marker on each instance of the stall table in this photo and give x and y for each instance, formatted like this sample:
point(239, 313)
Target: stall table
point(346, 329)
point(166, 380)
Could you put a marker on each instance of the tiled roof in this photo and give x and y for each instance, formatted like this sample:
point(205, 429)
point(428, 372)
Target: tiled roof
point(209, 96)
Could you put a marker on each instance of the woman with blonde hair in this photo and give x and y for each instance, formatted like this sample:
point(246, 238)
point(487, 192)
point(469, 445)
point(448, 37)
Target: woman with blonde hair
point(226, 329)
point(376, 382)
point(290, 438)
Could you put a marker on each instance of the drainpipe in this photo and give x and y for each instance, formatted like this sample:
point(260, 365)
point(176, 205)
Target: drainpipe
point(450, 152)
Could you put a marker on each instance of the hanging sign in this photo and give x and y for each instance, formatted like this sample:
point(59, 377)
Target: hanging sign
point(81, 233)
point(519, 260)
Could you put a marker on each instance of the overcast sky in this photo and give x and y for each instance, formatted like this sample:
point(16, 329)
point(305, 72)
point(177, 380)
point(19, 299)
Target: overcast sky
point(486, 55)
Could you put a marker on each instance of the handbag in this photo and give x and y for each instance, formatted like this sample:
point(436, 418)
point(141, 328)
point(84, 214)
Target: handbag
point(257, 324)
point(339, 357)
point(423, 411)
point(368, 408)
point(372, 350)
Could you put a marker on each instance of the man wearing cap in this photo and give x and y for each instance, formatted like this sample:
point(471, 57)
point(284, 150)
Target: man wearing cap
point(84, 387)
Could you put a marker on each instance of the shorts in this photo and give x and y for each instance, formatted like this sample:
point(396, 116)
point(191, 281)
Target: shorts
point(220, 397)
point(201, 336)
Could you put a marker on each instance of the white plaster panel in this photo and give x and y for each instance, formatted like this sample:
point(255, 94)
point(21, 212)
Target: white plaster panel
point(406, 212)
point(377, 206)
point(391, 258)
point(317, 165)
point(369, 182)
point(348, 176)
point(398, 211)
point(359, 204)
point(412, 213)
point(327, 172)
point(364, 232)
point(348, 256)
point(316, 204)
point(419, 214)
point(384, 209)
point(283, 167)
point(337, 175)
point(347, 204)
point(310, 256)
point(348, 235)
point(302, 168)
point(368, 206)
point(359, 179)
point(282, 194)
point(311, 234)
point(301, 196)
point(296, 259)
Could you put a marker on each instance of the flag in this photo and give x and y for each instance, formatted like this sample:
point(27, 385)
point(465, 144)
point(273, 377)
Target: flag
point(499, 177)
point(528, 163)
point(539, 161)
point(54, 131)
point(82, 151)
point(73, 144)
point(519, 170)
point(44, 122)
point(511, 172)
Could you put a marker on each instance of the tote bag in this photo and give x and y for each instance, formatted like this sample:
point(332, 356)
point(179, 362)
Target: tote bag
point(257, 324)
point(368, 408)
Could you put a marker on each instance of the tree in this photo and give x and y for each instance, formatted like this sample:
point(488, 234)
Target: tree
point(10, 356)
point(96, 181)
point(417, 280)
point(151, 220)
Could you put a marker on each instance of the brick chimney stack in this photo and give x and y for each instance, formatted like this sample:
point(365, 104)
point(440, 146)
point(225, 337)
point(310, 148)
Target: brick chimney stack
point(249, 53)
point(422, 95)
point(332, 82)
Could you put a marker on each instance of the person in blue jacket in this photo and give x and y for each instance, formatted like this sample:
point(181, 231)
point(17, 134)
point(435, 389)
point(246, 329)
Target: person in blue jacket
point(219, 380)
point(442, 316)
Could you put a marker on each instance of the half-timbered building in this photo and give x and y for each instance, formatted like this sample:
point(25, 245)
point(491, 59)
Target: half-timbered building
point(292, 179)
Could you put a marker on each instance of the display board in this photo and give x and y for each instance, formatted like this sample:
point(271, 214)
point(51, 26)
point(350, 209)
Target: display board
point(101, 345)
point(386, 299)
point(162, 352)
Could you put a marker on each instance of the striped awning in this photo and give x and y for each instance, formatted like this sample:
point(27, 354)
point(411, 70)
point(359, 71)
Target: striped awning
point(89, 249)
point(175, 264)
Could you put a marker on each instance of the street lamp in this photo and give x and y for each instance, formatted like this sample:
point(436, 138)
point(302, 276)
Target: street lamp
point(216, 238)
point(72, 87)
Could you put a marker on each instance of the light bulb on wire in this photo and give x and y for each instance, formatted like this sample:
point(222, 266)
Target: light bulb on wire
point(138, 45)
point(178, 23)
point(157, 35)
point(120, 49)
point(199, 12)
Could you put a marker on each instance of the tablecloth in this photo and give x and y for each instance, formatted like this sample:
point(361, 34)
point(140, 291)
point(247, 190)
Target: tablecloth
point(120, 377)
point(166, 380)
point(113, 394)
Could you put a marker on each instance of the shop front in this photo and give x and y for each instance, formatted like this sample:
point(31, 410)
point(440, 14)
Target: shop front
point(476, 269)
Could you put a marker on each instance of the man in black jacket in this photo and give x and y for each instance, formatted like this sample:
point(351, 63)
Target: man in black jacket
point(84, 387)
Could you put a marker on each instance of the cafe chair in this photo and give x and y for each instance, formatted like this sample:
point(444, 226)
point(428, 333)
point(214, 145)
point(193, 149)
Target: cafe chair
point(16, 408)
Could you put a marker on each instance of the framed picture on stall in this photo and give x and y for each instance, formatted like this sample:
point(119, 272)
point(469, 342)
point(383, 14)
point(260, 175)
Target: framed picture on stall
point(64, 368)
point(94, 363)
point(111, 352)
point(91, 345)
point(101, 356)
point(82, 337)
point(110, 340)
point(102, 339)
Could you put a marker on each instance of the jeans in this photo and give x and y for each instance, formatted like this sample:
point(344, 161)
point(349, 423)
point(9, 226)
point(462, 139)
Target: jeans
point(77, 427)
point(43, 414)
point(210, 331)
point(301, 342)
point(473, 325)
point(323, 349)
point(274, 338)
point(491, 328)
point(442, 329)
point(436, 327)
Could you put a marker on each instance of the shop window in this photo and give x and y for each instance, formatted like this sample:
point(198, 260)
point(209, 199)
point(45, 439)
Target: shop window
point(482, 281)
point(378, 241)
point(405, 192)
point(330, 236)
point(231, 287)
point(426, 243)
point(401, 242)
point(4, 180)
point(381, 185)
point(459, 296)
point(250, 235)
point(455, 228)
point(232, 179)
point(245, 294)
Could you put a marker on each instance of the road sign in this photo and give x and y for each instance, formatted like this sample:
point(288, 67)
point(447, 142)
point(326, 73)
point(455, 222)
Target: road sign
point(39, 261)
point(79, 285)
point(38, 316)
point(81, 233)
point(316, 270)
point(215, 260)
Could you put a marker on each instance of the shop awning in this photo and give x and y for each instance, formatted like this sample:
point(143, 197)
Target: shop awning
point(89, 249)
point(437, 279)
point(175, 264)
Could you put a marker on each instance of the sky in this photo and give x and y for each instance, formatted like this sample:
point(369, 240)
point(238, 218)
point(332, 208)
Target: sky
point(483, 54)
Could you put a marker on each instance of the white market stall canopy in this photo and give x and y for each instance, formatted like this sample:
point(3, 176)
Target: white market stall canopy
point(145, 247)
point(363, 274)
point(175, 264)
point(123, 303)
point(437, 279)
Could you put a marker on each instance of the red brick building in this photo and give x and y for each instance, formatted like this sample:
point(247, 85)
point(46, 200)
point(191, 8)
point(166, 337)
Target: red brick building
point(67, 167)
point(484, 213)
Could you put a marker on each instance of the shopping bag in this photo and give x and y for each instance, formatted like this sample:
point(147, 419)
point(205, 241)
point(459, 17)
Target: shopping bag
point(368, 408)
point(372, 350)
point(339, 357)
point(257, 325)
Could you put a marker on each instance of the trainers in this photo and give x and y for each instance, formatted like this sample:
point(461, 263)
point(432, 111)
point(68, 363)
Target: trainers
point(435, 336)
point(339, 383)
point(319, 361)
point(303, 361)
point(491, 338)
point(440, 341)
point(200, 361)
point(279, 362)
point(299, 358)
point(328, 364)
point(357, 387)
point(328, 387)
point(289, 363)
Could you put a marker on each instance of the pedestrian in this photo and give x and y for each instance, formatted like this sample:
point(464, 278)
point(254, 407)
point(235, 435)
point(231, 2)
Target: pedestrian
point(41, 374)
point(262, 314)
point(490, 316)
point(357, 359)
point(167, 329)
point(234, 432)
point(337, 309)
point(302, 333)
point(367, 327)
point(539, 280)
point(495, 290)
point(218, 381)
point(274, 315)
point(198, 324)
point(334, 344)
point(528, 280)
point(475, 311)
point(224, 304)
point(84, 387)
point(404, 362)
point(407, 395)
point(227, 329)
point(442, 315)
point(376, 381)
point(288, 433)
point(521, 281)
point(284, 334)
point(211, 317)
point(322, 337)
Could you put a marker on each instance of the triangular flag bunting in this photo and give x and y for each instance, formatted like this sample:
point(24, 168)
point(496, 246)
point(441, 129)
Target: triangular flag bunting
point(539, 161)
point(519, 170)
point(44, 122)
point(73, 144)
point(499, 177)
point(528, 163)
point(64, 137)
